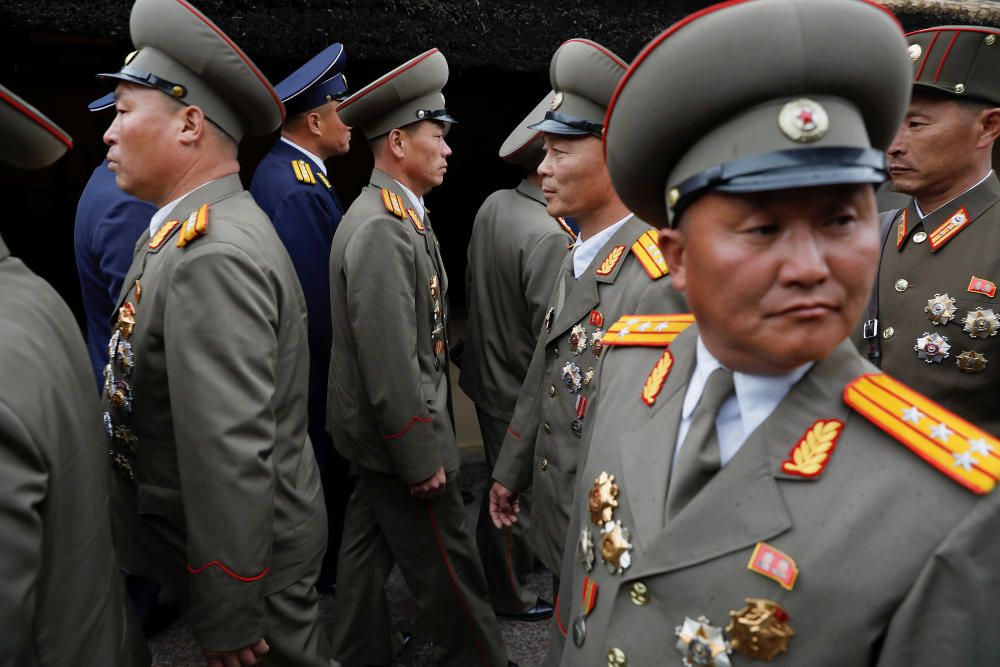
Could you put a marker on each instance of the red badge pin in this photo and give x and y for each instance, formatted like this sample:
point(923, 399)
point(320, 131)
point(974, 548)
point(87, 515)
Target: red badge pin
point(596, 318)
point(983, 286)
point(774, 564)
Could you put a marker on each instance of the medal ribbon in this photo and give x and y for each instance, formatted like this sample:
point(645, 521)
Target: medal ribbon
point(589, 595)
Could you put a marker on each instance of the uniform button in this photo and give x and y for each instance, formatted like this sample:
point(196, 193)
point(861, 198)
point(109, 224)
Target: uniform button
point(543, 464)
point(639, 594)
point(547, 427)
point(555, 353)
point(552, 390)
point(616, 658)
point(920, 237)
point(888, 333)
point(902, 284)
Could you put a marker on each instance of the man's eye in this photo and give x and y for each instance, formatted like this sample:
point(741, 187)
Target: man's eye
point(764, 230)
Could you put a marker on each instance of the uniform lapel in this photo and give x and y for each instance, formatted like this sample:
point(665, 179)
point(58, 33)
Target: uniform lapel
point(969, 205)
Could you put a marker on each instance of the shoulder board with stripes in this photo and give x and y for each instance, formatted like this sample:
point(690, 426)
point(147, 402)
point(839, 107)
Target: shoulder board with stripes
point(323, 180)
point(415, 219)
point(303, 172)
point(647, 250)
point(162, 233)
point(566, 228)
point(393, 203)
point(953, 225)
point(194, 227)
point(647, 330)
point(961, 451)
point(611, 261)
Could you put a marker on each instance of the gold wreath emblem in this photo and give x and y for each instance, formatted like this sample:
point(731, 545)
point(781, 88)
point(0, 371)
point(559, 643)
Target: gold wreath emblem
point(657, 376)
point(609, 262)
point(810, 455)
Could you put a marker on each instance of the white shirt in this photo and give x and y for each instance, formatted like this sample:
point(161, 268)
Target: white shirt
point(755, 399)
point(160, 216)
point(418, 202)
point(312, 156)
point(924, 215)
point(584, 250)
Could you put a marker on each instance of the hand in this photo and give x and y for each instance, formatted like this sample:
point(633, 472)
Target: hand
point(248, 656)
point(431, 487)
point(504, 506)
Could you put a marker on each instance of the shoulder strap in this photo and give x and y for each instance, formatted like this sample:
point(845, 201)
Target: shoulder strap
point(870, 332)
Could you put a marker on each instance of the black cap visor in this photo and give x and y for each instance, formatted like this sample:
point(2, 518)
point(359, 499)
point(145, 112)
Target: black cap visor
point(560, 123)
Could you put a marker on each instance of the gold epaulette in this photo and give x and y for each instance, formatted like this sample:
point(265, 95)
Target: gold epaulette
point(647, 330)
point(963, 452)
point(393, 203)
point(194, 227)
point(323, 179)
point(303, 172)
point(647, 250)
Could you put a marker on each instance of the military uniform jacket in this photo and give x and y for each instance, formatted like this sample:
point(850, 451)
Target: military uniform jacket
point(206, 409)
point(388, 398)
point(954, 269)
point(62, 599)
point(895, 562)
point(542, 445)
point(514, 256)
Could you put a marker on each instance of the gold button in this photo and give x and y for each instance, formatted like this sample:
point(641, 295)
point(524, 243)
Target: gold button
point(920, 237)
point(547, 427)
point(639, 594)
point(543, 464)
point(616, 658)
point(552, 390)
point(888, 333)
point(902, 284)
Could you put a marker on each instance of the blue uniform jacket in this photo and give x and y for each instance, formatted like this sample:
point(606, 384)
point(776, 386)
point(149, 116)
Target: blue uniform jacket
point(108, 223)
point(305, 215)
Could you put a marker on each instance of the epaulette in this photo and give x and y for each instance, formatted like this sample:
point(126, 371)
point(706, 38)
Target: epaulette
point(566, 228)
point(963, 452)
point(647, 330)
point(194, 227)
point(162, 233)
point(647, 250)
point(303, 172)
point(324, 180)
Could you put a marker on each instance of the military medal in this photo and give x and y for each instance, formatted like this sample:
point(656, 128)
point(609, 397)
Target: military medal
point(588, 377)
point(615, 547)
point(585, 549)
point(971, 362)
point(940, 309)
point(981, 323)
point(571, 376)
point(589, 595)
point(126, 319)
point(122, 464)
point(122, 396)
point(932, 348)
point(548, 318)
point(577, 339)
point(109, 427)
point(125, 438)
point(113, 343)
point(603, 499)
point(760, 630)
point(109, 380)
point(138, 290)
point(701, 644)
point(581, 411)
point(597, 343)
point(125, 357)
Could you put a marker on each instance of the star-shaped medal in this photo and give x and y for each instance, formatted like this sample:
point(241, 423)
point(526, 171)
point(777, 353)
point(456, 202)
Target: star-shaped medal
point(932, 348)
point(940, 309)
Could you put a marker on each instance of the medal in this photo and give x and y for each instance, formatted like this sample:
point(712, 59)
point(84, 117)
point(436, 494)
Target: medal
point(589, 594)
point(113, 343)
point(435, 287)
point(122, 397)
point(981, 323)
point(109, 428)
point(577, 339)
point(932, 348)
point(971, 362)
point(138, 290)
point(760, 630)
point(109, 381)
point(571, 376)
point(940, 309)
point(125, 438)
point(125, 357)
point(603, 499)
point(585, 549)
point(548, 318)
point(597, 343)
point(615, 547)
point(126, 319)
point(588, 377)
point(701, 644)
point(581, 411)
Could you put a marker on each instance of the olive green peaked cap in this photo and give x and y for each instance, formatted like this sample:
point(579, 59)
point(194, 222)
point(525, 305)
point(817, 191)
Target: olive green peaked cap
point(525, 146)
point(182, 53)
point(584, 75)
point(28, 139)
point(406, 95)
point(961, 61)
point(757, 95)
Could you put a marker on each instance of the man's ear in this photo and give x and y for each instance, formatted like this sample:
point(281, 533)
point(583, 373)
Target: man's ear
point(192, 124)
point(314, 123)
point(396, 141)
point(672, 245)
point(990, 120)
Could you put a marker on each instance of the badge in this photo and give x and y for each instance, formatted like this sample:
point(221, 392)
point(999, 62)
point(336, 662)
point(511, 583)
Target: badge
point(701, 644)
point(571, 376)
point(615, 547)
point(774, 564)
point(125, 438)
point(138, 290)
point(126, 319)
point(556, 101)
point(760, 630)
point(125, 357)
point(577, 339)
point(597, 343)
point(803, 121)
point(581, 412)
point(109, 427)
point(109, 380)
point(435, 287)
point(113, 343)
point(596, 319)
point(971, 362)
point(122, 464)
point(657, 376)
point(585, 549)
point(589, 595)
point(548, 318)
point(940, 309)
point(932, 348)
point(122, 396)
point(810, 455)
point(588, 377)
point(981, 323)
point(982, 286)
point(603, 499)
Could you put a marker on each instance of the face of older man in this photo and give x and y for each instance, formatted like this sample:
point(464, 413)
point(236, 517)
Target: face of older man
point(776, 279)
point(575, 180)
point(426, 155)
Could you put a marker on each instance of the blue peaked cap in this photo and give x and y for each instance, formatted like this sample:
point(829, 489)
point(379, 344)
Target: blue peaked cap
point(319, 81)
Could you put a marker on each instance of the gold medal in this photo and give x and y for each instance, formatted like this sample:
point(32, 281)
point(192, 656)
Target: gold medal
point(760, 630)
point(597, 343)
point(603, 499)
point(126, 319)
point(577, 339)
point(615, 547)
point(940, 309)
point(971, 362)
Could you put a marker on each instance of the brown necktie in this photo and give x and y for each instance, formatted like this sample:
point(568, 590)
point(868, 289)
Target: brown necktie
point(698, 459)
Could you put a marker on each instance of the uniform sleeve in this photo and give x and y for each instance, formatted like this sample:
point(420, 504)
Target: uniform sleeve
point(381, 303)
point(23, 487)
point(115, 240)
point(949, 617)
point(539, 273)
point(221, 354)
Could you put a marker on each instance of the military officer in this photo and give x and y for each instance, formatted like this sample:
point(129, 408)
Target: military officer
point(291, 186)
point(614, 268)
point(219, 496)
point(934, 318)
point(108, 223)
point(389, 403)
point(514, 256)
point(62, 599)
point(753, 489)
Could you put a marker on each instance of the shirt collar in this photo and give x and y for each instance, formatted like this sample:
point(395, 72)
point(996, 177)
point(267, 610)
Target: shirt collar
point(160, 216)
point(418, 202)
point(584, 250)
point(923, 215)
point(317, 160)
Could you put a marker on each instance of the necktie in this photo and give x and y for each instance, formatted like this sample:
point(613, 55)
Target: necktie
point(698, 459)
